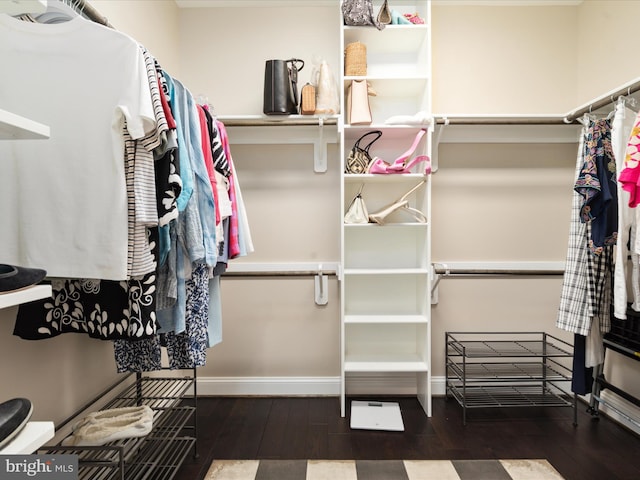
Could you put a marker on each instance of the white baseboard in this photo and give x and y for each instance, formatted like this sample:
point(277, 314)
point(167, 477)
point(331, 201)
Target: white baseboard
point(313, 386)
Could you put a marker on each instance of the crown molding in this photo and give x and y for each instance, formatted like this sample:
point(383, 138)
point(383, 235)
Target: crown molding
point(507, 3)
point(253, 3)
point(330, 3)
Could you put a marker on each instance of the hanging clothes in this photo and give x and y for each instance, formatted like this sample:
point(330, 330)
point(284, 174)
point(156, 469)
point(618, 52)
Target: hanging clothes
point(173, 180)
point(574, 311)
point(597, 185)
point(623, 123)
point(56, 215)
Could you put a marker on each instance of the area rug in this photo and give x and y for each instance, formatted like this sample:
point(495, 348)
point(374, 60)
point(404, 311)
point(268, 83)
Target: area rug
point(382, 470)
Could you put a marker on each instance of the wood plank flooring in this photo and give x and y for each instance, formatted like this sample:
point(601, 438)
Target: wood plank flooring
point(292, 428)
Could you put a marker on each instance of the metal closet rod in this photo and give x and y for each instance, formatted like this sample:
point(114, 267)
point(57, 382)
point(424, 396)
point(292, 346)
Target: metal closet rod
point(88, 11)
point(505, 120)
point(496, 271)
point(604, 101)
point(268, 122)
point(279, 273)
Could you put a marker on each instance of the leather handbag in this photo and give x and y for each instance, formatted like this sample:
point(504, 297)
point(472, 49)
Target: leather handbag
point(401, 205)
point(358, 108)
point(281, 86)
point(357, 212)
point(404, 163)
point(359, 158)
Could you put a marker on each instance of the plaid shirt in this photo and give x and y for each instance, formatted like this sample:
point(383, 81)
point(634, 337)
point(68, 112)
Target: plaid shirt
point(575, 311)
point(587, 283)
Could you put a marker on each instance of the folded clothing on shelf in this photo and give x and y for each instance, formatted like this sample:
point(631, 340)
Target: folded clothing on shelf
point(14, 415)
point(13, 278)
point(420, 118)
point(98, 428)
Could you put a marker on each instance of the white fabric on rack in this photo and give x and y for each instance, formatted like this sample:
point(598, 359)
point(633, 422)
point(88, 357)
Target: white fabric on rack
point(64, 199)
point(244, 232)
point(622, 125)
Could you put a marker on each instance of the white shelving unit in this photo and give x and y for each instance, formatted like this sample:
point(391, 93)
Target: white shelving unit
point(29, 439)
point(15, 127)
point(25, 295)
point(34, 434)
point(386, 269)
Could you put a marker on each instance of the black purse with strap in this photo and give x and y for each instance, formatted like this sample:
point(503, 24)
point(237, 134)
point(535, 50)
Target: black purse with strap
point(281, 86)
point(359, 159)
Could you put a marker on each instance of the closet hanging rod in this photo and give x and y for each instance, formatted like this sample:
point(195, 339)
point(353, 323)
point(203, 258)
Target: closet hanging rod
point(87, 10)
point(279, 273)
point(268, 122)
point(289, 269)
point(603, 101)
point(501, 120)
point(445, 270)
point(489, 271)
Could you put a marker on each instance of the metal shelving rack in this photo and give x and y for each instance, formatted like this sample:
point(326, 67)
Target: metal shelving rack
point(156, 456)
point(508, 369)
point(624, 339)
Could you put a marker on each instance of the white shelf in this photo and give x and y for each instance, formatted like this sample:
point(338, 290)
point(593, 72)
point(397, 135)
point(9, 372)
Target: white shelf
point(15, 127)
point(315, 130)
point(385, 363)
point(393, 39)
point(25, 295)
point(382, 178)
point(30, 438)
point(386, 271)
point(384, 319)
point(386, 225)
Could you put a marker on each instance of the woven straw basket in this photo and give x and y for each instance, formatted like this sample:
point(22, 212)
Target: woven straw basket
point(355, 59)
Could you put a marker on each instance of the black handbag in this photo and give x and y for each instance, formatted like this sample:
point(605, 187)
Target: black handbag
point(359, 158)
point(281, 86)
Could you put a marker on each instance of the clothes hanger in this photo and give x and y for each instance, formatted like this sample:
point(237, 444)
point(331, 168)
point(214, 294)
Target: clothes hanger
point(628, 101)
point(59, 11)
point(203, 100)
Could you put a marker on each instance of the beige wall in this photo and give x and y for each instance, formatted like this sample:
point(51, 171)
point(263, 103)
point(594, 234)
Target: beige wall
point(490, 202)
point(223, 50)
point(504, 59)
point(58, 375)
point(153, 23)
point(604, 66)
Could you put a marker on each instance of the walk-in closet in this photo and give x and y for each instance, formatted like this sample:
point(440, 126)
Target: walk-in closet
point(239, 286)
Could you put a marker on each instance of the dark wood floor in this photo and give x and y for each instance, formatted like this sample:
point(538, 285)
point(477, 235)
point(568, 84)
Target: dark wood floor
point(311, 428)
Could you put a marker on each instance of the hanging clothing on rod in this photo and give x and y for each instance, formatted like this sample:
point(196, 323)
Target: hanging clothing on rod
point(604, 101)
point(166, 292)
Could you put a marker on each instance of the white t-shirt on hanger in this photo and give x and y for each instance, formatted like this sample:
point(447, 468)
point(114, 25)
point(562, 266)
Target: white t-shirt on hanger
point(63, 200)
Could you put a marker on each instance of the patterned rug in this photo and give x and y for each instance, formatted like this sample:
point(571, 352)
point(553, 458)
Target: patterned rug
point(382, 470)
